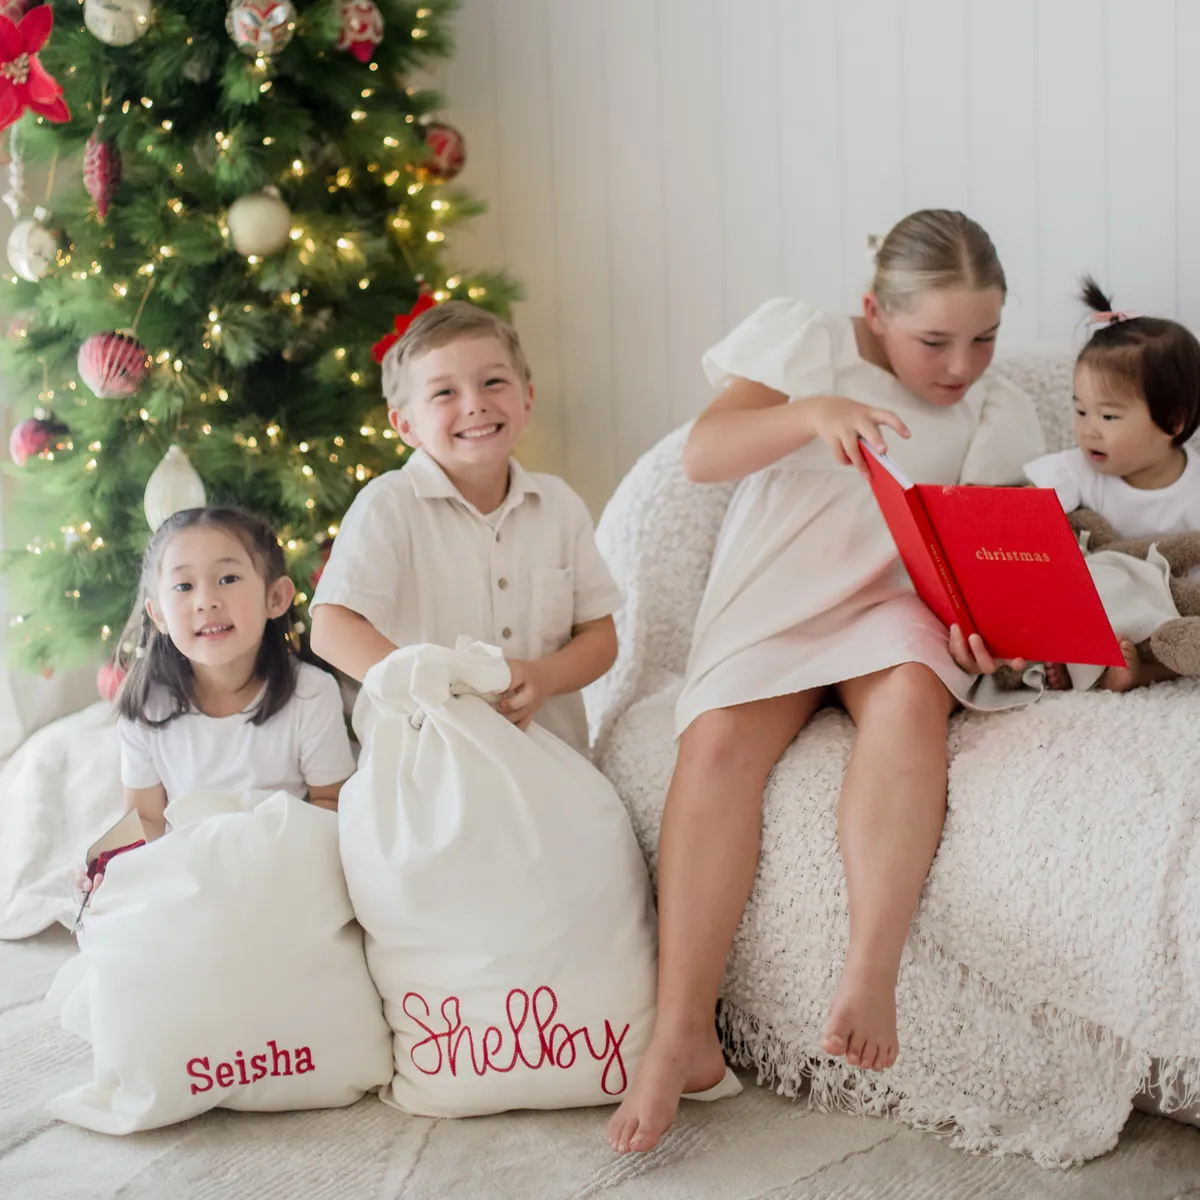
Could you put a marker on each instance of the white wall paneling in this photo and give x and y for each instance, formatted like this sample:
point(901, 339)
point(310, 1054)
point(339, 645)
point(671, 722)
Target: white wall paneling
point(1002, 148)
point(657, 168)
point(1072, 46)
point(1187, 162)
point(870, 103)
point(1140, 136)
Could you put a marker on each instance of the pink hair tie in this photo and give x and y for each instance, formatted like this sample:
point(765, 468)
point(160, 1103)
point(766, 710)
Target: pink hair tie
point(1102, 320)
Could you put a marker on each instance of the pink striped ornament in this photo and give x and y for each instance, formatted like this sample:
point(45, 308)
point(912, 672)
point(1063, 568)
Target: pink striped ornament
point(113, 365)
point(101, 171)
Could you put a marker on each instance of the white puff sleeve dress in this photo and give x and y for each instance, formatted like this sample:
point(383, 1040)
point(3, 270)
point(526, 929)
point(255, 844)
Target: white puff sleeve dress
point(806, 588)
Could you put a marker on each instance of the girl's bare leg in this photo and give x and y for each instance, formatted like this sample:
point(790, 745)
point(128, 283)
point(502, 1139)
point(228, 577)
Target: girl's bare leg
point(708, 855)
point(889, 824)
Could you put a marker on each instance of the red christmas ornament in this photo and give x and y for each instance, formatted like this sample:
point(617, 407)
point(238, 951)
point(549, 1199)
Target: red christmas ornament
point(24, 82)
point(326, 551)
point(18, 327)
point(362, 28)
point(402, 321)
point(113, 365)
point(448, 152)
point(34, 436)
point(108, 680)
point(101, 170)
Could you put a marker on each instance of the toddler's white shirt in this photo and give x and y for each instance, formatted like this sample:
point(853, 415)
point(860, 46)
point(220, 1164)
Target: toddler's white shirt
point(424, 565)
point(1132, 512)
point(304, 744)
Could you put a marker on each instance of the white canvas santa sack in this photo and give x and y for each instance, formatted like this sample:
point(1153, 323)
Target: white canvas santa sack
point(507, 909)
point(221, 966)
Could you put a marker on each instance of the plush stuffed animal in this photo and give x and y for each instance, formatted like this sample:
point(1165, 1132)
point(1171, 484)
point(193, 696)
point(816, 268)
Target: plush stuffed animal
point(1176, 643)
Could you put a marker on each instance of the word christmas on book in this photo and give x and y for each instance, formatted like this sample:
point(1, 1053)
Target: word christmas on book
point(1030, 556)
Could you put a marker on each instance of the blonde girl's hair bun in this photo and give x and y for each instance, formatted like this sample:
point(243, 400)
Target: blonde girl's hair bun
point(932, 249)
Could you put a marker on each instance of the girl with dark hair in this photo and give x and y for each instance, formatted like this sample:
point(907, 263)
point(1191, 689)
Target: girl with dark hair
point(1137, 404)
point(214, 697)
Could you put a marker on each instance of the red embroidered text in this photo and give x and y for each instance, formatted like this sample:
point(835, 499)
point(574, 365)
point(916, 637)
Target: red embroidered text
point(242, 1071)
point(547, 1043)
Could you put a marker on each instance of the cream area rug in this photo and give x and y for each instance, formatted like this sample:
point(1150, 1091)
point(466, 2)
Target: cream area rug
point(758, 1146)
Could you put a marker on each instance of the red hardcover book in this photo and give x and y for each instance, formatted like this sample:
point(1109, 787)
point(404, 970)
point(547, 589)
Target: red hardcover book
point(1000, 562)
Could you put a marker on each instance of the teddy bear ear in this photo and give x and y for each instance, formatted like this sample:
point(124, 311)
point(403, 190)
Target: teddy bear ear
point(1182, 552)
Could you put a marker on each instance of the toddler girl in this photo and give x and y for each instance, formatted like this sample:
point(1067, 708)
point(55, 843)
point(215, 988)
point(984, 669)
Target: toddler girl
point(807, 600)
point(215, 698)
point(1137, 402)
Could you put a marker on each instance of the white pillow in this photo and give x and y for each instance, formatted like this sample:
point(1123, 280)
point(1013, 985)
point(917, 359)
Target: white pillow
point(221, 966)
point(508, 915)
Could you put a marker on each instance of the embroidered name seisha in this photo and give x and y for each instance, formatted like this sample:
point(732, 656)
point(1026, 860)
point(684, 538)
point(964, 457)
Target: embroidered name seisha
point(547, 1043)
point(1027, 556)
point(239, 1073)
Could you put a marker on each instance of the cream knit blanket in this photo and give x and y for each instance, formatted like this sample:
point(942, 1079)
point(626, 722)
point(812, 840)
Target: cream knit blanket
point(1056, 952)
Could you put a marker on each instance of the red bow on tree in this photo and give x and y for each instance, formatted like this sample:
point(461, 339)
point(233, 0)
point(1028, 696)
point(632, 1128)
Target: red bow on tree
point(24, 82)
point(403, 320)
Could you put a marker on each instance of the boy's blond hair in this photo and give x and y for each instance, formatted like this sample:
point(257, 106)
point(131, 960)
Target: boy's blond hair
point(448, 322)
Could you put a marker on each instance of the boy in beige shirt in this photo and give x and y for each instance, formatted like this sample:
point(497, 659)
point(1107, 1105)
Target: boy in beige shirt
point(463, 540)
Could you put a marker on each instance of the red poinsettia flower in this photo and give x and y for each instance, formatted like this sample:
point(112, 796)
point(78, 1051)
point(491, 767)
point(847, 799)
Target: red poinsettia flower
point(403, 320)
point(24, 82)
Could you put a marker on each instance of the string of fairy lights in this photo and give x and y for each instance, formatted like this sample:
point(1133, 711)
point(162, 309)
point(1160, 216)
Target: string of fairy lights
point(413, 219)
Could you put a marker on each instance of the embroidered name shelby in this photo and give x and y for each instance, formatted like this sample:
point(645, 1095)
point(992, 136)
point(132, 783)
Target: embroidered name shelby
point(241, 1071)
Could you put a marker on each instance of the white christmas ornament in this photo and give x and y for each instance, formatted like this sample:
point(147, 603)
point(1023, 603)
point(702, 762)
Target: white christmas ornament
point(259, 223)
point(173, 486)
point(31, 247)
point(117, 22)
point(261, 26)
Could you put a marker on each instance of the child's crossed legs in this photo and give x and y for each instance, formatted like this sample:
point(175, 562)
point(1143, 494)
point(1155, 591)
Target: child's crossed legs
point(889, 823)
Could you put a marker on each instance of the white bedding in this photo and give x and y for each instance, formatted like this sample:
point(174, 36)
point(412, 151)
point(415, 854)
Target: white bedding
point(58, 793)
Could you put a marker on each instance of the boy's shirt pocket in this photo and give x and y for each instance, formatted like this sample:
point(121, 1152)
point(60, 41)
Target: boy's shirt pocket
point(552, 611)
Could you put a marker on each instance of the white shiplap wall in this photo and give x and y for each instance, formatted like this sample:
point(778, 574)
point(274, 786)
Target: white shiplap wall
point(656, 168)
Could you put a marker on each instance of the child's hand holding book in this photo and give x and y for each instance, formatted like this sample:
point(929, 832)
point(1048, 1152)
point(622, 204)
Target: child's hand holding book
point(1000, 566)
point(973, 656)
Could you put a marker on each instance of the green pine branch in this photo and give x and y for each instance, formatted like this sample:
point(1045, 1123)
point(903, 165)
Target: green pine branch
point(261, 369)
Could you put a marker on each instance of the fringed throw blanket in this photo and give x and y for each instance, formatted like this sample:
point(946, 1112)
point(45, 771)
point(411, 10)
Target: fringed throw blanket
point(1054, 964)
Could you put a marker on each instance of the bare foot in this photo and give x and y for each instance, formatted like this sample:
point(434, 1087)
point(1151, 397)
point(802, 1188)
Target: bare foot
point(1123, 679)
point(668, 1069)
point(862, 1020)
point(1057, 677)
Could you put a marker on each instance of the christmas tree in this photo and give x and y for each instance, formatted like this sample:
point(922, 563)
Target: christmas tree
point(261, 194)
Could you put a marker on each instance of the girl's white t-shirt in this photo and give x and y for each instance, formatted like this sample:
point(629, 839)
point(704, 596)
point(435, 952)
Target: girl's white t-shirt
point(1132, 512)
point(303, 745)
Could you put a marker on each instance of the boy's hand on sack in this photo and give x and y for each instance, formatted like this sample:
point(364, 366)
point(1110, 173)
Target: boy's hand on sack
point(527, 692)
point(973, 656)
